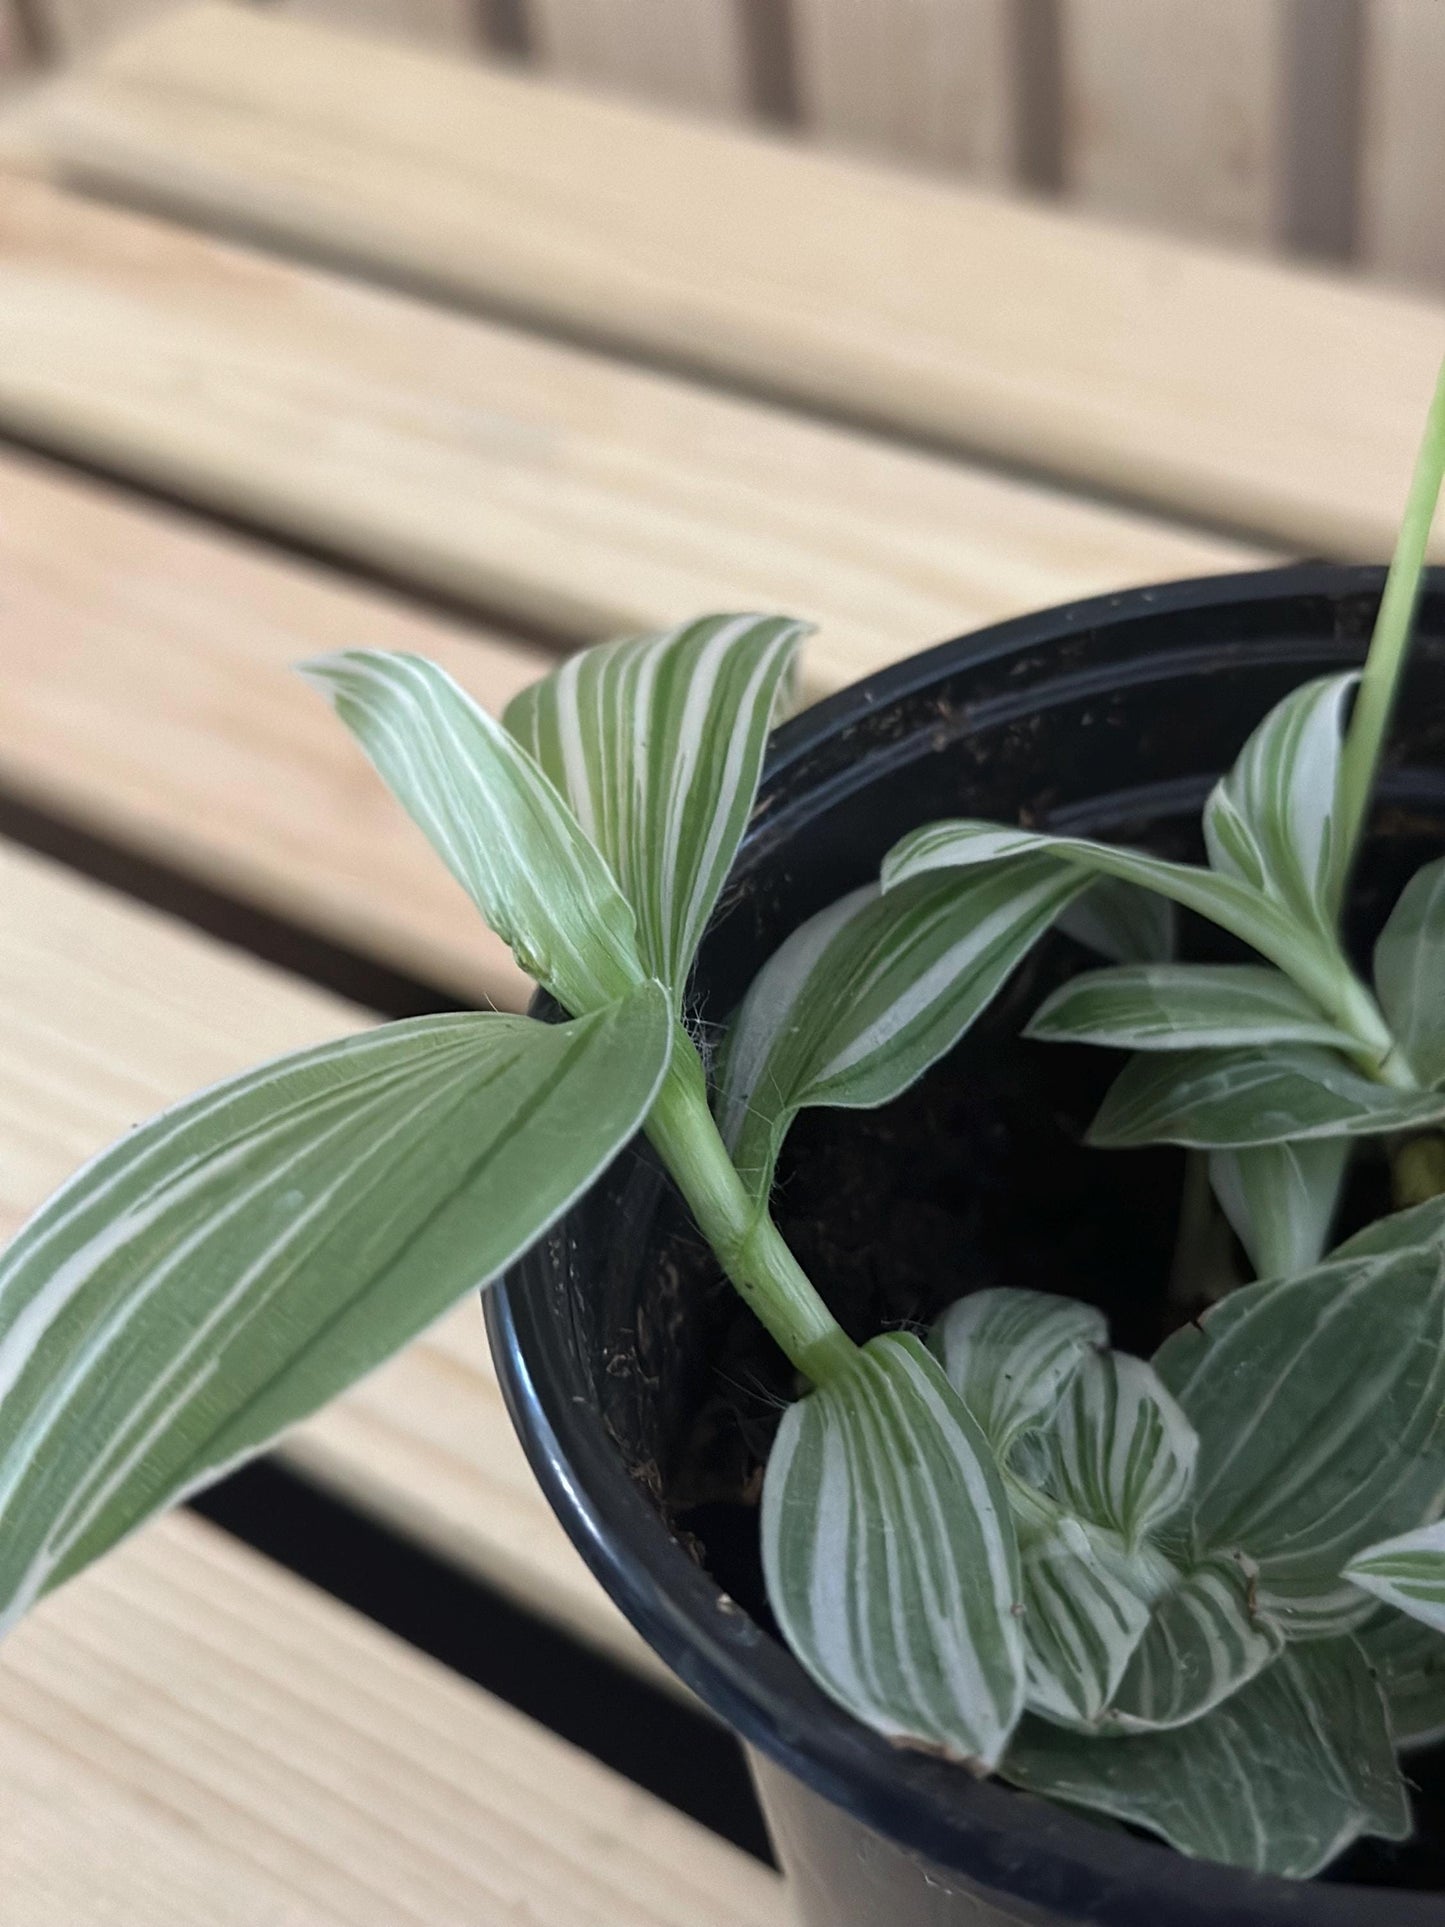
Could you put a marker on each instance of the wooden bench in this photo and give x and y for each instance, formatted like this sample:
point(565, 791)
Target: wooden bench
point(345, 371)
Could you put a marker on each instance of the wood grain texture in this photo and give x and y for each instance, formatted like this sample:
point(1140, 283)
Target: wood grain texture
point(688, 52)
point(190, 1737)
point(147, 693)
point(1259, 396)
point(547, 484)
point(1172, 113)
point(1402, 212)
point(931, 80)
point(109, 1012)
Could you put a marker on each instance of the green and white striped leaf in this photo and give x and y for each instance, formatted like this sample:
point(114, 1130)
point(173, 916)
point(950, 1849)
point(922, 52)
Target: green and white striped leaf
point(228, 1267)
point(1122, 922)
point(1252, 915)
point(863, 997)
point(1087, 1605)
point(1174, 1006)
point(1408, 1660)
point(1410, 972)
point(1422, 1227)
point(657, 743)
point(1281, 1199)
point(1407, 1572)
point(1280, 1778)
point(1120, 1451)
point(1319, 1402)
point(494, 819)
point(1010, 1355)
point(1206, 1638)
point(1272, 821)
point(1216, 1100)
point(890, 1556)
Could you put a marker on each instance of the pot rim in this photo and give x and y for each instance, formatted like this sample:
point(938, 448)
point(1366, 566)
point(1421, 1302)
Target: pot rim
point(1008, 1842)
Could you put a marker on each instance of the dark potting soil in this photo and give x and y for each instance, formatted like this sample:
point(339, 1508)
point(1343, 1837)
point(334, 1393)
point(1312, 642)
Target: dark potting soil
point(978, 1176)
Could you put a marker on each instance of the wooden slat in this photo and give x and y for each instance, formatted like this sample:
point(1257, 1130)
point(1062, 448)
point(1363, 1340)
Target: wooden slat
point(932, 80)
point(109, 1012)
point(452, 25)
point(190, 1737)
point(1261, 396)
point(547, 484)
point(689, 52)
point(1402, 212)
point(1172, 112)
point(146, 692)
point(73, 26)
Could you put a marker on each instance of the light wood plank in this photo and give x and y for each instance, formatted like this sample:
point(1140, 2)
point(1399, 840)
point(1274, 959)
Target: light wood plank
point(1402, 213)
point(1261, 396)
point(1172, 112)
point(190, 1737)
point(146, 691)
point(931, 80)
point(548, 484)
point(688, 52)
point(109, 1012)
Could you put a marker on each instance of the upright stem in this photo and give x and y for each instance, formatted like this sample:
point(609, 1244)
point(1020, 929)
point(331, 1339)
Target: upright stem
point(1390, 642)
point(747, 1243)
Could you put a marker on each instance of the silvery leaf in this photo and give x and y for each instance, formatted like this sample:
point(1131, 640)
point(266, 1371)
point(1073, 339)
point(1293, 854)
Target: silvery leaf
point(1206, 1638)
point(1120, 1452)
point(1010, 1355)
point(1407, 1572)
point(1408, 1660)
point(1410, 972)
point(1281, 1199)
point(1173, 1006)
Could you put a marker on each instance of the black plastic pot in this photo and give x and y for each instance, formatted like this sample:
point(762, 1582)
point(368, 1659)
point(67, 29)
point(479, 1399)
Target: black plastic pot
point(1110, 717)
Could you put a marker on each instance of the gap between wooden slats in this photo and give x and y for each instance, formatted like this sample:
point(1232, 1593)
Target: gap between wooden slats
point(1402, 205)
point(189, 1737)
point(691, 53)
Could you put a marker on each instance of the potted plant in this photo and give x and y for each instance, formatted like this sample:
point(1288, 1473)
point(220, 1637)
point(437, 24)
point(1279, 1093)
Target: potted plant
point(1198, 1594)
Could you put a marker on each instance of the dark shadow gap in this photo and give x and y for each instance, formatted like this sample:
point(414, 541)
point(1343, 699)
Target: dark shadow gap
point(638, 1730)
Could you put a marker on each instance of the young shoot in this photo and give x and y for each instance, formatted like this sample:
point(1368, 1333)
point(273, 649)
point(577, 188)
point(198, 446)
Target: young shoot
point(1202, 1593)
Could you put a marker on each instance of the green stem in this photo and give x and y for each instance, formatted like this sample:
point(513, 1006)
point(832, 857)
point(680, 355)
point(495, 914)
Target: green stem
point(744, 1238)
point(1390, 642)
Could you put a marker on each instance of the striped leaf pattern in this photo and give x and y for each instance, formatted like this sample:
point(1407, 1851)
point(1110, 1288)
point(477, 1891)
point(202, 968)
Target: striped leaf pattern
point(228, 1267)
point(1173, 1006)
point(1421, 1228)
point(1319, 1402)
point(1087, 1605)
point(1217, 1100)
point(1120, 1451)
point(657, 743)
point(1280, 1778)
point(1281, 1199)
point(494, 819)
point(1010, 1355)
point(863, 997)
point(890, 1556)
point(1235, 905)
point(1407, 1572)
point(1272, 821)
point(1408, 1660)
point(1410, 972)
point(1206, 1638)
point(1123, 922)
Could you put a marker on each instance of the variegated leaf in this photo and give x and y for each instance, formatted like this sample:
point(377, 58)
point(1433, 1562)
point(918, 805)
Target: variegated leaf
point(657, 743)
point(1122, 921)
point(1254, 917)
point(228, 1267)
point(1010, 1355)
point(1216, 1100)
point(1408, 1660)
point(1410, 972)
point(1121, 1453)
point(1422, 1227)
point(1206, 1638)
point(890, 1556)
point(1271, 822)
point(1279, 1778)
point(1087, 1604)
point(1281, 1199)
point(1320, 1407)
point(1173, 1007)
point(1407, 1572)
point(867, 994)
point(495, 820)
